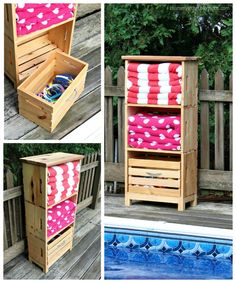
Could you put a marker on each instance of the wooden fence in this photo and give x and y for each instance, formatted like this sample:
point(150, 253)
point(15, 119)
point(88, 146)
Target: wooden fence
point(14, 223)
point(215, 156)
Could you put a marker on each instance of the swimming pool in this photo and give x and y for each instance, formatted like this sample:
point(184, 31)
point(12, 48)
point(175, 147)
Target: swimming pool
point(159, 250)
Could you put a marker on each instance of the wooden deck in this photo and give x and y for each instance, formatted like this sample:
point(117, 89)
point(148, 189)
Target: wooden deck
point(86, 45)
point(83, 262)
point(218, 215)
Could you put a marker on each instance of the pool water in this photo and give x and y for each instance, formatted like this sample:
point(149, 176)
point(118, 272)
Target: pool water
point(132, 254)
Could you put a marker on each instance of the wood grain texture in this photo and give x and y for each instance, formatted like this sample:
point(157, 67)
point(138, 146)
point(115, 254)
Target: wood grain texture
point(206, 214)
point(87, 232)
point(86, 45)
point(204, 123)
point(219, 124)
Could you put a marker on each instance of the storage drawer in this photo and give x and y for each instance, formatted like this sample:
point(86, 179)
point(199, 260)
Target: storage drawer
point(59, 246)
point(154, 176)
point(38, 110)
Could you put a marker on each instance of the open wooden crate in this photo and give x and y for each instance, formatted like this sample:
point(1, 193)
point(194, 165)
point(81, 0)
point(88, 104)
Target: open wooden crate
point(24, 54)
point(38, 110)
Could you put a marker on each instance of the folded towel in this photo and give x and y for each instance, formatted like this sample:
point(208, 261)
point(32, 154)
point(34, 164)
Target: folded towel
point(154, 76)
point(33, 17)
point(149, 138)
point(143, 82)
point(62, 177)
point(155, 120)
point(162, 68)
point(156, 90)
point(154, 145)
point(153, 131)
point(64, 168)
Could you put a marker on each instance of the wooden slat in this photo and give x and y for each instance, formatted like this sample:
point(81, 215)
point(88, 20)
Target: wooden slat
point(219, 124)
point(174, 152)
point(14, 251)
point(156, 106)
point(11, 206)
point(230, 126)
point(152, 172)
point(114, 91)
point(81, 205)
point(96, 190)
point(51, 159)
point(86, 179)
point(148, 163)
point(91, 165)
point(154, 182)
point(108, 116)
point(12, 193)
point(207, 179)
point(90, 191)
point(154, 191)
point(204, 125)
point(215, 95)
point(5, 235)
point(81, 184)
point(215, 180)
point(120, 115)
point(159, 58)
point(36, 60)
point(114, 172)
point(90, 178)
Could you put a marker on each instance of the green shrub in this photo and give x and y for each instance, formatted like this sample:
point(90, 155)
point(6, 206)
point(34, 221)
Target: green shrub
point(203, 30)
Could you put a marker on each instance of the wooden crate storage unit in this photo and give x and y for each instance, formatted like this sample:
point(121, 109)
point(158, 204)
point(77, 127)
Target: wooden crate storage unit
point(165, 175)
point(38, 110)
point(44, 250)
point(23, 54)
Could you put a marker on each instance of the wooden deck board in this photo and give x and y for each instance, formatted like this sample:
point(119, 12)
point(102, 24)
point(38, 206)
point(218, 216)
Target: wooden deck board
point(217, 215)
point(86, 46)
point(83, 258)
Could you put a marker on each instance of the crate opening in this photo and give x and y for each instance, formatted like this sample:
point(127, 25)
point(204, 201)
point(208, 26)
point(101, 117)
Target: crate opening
point(34, 51)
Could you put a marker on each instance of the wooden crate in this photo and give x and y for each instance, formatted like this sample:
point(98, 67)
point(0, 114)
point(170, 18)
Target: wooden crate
point(38, 110)
point(24, 54)
point(44, 250)
point(176, 181)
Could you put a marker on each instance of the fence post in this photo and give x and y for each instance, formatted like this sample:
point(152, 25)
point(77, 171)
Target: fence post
point(96, 183)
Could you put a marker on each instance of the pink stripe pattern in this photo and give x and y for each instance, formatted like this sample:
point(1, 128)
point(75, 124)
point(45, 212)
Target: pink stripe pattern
point(62, 182)
point(158, 84)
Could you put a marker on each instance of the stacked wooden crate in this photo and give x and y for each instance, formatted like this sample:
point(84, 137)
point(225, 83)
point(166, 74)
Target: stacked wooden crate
point(165, 175)
point(43, 249)
point(33, 60)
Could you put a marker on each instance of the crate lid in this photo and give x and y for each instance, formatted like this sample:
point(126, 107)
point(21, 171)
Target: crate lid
point(51, 159)
point(159, 58)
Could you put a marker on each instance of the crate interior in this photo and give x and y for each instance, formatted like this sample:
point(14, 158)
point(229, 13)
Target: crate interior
point(59, 64)
point(34, 51)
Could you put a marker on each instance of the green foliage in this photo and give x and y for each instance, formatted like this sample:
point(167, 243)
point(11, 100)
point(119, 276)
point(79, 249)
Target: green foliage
point(13, 153)
point(203, 30)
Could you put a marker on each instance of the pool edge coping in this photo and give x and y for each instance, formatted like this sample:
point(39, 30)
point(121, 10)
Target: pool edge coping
point(167, 227)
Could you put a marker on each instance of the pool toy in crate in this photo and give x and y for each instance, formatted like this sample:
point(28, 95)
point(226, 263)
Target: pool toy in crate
point(38, 35)
point(39, 110)
point(50, 193)
point(161, 129)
